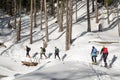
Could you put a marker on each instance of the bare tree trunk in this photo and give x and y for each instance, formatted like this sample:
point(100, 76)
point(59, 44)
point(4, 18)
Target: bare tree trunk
point(96, 11)
point(88, 17)
point(19, 22)
point(41, 8)
point(11, 8)
point(14, 14)
point(93, 8)
point(35, 13)
point(70, 22)
point(57, 10)
point(46, 21)
point(76, 10)
point(107, 13)
point(6, 7)
point(104, 3)
point(3, 7)
point(67, 28)
point(118, 21)
point(61, 17)
point(31, 26)
point(52, 7)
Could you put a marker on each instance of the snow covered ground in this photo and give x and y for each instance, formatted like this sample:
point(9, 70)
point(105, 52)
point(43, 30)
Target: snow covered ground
point(75, 63)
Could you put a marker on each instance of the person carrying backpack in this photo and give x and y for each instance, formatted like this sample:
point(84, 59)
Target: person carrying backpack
point(94, 55)
point(43, 50)
point(104, 52)
point(57, 53)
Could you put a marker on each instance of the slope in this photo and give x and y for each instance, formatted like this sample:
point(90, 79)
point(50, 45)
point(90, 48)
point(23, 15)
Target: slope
point(75, 62)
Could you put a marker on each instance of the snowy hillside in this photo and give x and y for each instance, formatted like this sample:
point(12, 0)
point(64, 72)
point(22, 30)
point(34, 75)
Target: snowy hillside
point(75, 64)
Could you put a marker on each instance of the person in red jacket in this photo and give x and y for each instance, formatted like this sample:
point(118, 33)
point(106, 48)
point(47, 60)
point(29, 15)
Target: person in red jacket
point(104, 52)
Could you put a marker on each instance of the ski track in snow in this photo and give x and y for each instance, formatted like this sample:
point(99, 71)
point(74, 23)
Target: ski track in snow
point(73, 72)
point(101, 75)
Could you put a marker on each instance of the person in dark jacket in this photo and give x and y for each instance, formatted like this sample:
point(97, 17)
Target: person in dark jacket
point(94, 55)
point(27, 51)
point(104, 52)
point(57, 53)
point(43, 50)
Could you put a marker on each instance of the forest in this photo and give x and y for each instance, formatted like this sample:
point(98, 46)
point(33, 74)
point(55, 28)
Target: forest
point(57, 9)
point(68, 30)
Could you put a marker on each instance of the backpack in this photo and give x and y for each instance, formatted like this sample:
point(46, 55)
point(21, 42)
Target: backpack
point(105, 50)
point(57, 50)
point(94, 50)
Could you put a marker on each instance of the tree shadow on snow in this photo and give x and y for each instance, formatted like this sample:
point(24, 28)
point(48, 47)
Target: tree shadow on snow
point(60, 35)
point(78, 36)
point(111, 26)
point(43, 65)
point(5, 52)
point(45, 35)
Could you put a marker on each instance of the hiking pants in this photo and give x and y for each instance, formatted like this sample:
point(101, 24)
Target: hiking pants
point(27, 54)
point(105, 57)
point(42, 54)
point(57, 54)
point(94, 59)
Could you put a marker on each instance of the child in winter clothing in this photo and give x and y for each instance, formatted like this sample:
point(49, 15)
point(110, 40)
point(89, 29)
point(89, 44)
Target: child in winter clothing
point(94, 55)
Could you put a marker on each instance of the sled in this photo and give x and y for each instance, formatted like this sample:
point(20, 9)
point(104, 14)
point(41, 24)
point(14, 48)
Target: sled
point(29, 63)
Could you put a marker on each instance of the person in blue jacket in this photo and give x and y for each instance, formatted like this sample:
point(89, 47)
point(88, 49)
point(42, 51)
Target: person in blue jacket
point(94, 55)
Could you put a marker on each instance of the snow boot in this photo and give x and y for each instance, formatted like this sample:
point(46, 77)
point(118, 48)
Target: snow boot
point(106, 65)
point(94, 63)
